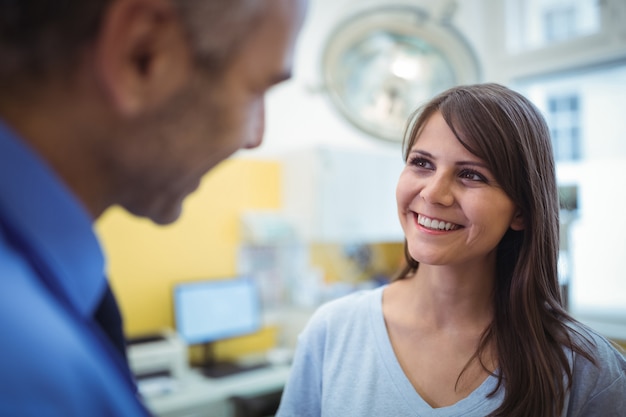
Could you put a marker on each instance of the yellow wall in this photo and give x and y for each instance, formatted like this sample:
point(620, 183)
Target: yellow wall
point(386, 260)
point(145, 260)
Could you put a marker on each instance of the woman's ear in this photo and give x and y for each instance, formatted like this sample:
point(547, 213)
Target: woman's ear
point(518, 223)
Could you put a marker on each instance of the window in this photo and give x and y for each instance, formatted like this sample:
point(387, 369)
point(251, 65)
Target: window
point(559, 24)
point(584, 110)
point(543, 22)
point(564, 120)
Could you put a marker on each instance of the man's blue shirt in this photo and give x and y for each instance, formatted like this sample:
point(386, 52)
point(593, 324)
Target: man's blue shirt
point(54, 359)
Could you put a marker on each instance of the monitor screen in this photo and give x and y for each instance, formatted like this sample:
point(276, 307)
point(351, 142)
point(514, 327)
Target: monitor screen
point(210, 310)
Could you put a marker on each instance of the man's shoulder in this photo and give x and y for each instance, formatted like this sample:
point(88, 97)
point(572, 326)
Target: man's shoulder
point(13, 264)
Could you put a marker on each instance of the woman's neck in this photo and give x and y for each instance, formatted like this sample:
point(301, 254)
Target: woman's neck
point(446, 297)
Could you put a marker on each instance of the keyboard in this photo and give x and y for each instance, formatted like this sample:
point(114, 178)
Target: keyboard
point(222, 369)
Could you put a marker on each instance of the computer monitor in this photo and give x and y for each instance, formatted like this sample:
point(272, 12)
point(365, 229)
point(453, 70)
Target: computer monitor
point(210, 310)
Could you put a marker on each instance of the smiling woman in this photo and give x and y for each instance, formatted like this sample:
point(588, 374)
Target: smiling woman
point(441, 201)
point(473, 325)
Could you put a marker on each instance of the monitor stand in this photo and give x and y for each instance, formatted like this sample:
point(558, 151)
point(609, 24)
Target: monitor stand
point(212, 368)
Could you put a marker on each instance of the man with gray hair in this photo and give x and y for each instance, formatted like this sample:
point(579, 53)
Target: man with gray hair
point(102, 103)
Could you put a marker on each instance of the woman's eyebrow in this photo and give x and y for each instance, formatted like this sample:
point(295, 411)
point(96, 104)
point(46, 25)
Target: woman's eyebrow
point(477, 163)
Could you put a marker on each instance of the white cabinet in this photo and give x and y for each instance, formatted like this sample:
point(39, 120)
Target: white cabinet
point(342, 195)
point(199, 396)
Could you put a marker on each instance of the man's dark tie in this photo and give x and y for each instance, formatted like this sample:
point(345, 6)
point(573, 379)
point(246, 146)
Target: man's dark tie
point(108, 316)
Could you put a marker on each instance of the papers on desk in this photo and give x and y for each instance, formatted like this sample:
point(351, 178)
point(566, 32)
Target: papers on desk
point(155, 385)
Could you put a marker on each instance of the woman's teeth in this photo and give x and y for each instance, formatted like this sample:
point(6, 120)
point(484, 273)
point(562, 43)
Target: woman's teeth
point(435, 224)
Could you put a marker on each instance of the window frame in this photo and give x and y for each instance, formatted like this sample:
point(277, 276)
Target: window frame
point(602, 47)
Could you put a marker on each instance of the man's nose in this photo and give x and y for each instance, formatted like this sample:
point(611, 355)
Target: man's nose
point(255, 138)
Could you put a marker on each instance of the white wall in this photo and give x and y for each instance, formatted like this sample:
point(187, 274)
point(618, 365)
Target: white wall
point(300, 115)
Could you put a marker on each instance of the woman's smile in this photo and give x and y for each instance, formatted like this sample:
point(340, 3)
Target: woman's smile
point(446, 191)
point(435, 224)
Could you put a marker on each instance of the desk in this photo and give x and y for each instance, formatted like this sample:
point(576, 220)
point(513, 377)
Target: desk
point(194, 395)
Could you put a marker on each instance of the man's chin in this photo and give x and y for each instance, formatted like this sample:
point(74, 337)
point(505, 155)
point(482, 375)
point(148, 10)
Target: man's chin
point(162, 206)
point(161, 215)
point(166, 219)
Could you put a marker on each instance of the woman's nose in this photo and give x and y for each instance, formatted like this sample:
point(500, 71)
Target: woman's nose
point(438, 190)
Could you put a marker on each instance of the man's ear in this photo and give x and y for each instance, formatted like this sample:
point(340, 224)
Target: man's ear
point(142, 56)
point(518, 222)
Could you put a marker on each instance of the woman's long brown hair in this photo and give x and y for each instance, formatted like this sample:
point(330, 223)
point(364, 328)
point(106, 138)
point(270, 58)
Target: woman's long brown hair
point(530, 328)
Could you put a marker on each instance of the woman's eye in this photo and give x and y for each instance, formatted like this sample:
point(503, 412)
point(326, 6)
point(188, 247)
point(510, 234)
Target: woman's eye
point(472, 175)
point(420, 162)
